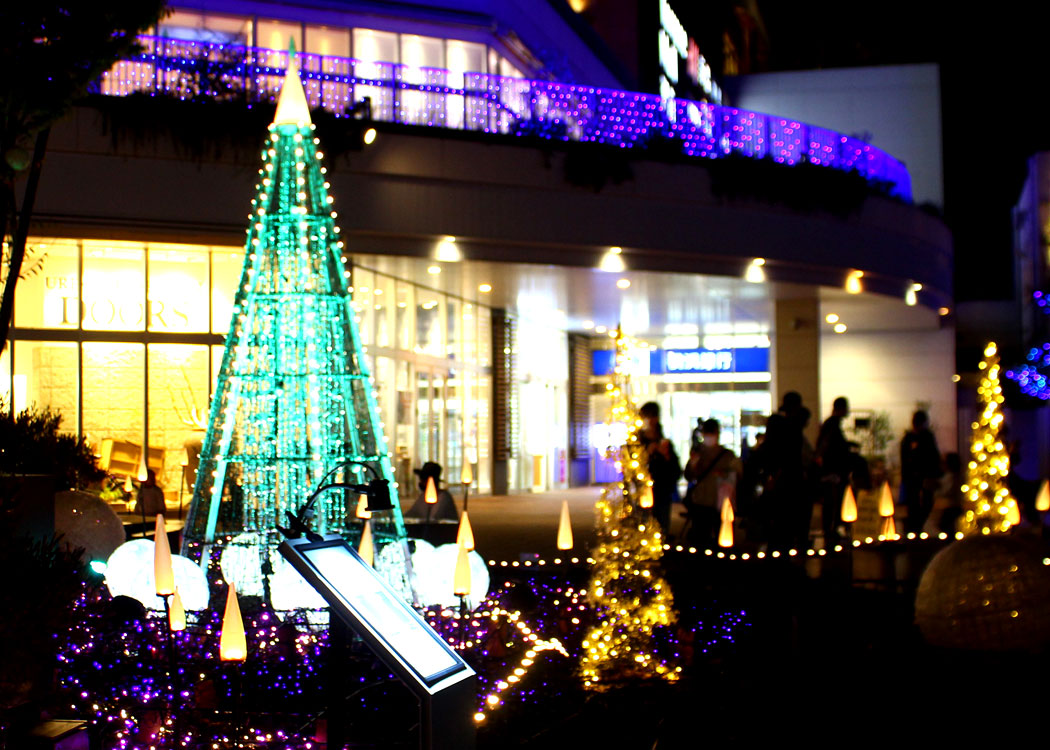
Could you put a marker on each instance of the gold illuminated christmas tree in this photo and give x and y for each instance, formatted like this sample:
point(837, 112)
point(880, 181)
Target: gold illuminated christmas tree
point(989, 506)
point(627, 589)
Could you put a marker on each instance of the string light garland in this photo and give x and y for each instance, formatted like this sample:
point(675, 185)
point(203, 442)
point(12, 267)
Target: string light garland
point(549, 110)
point(988, 504)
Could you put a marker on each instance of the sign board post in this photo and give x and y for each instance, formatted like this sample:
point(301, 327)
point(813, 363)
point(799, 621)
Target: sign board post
point(403, 641)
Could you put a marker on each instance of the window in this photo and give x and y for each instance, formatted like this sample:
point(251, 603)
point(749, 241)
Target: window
point(47, 295)
point(114, 286)
point(178, 288)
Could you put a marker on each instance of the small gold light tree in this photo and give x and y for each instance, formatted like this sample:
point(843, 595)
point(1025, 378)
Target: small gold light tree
point(989, 506)
point(627, 590)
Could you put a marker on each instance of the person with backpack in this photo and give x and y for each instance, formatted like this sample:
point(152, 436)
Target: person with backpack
point(712, 470)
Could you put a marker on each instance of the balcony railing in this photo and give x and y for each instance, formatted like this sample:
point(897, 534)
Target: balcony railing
point(430, 97)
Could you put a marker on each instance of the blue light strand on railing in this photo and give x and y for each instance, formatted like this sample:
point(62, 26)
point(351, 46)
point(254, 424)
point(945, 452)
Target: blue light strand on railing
point(1029, 376)
point(500, 105)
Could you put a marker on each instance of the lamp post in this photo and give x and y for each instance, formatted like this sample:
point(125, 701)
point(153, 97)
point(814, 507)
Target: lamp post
point(461, 588)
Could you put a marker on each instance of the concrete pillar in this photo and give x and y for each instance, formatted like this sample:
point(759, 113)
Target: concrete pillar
point(795, 361)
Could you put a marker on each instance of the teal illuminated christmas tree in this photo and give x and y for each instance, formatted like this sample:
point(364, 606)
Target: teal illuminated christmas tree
point(294, 399)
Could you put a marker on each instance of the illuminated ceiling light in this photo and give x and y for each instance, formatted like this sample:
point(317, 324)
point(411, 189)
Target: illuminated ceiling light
point(588, 325)
point(943, 311)
point(853, 285)
point(623, 283)
point(612, 261)
point(434, 270)
point(831, 318)
point(956, 378)
point(755, 273)
point(369, 136)
point(600, 329)
point(447, 251)
point(840, 328)
point(484, 288)
point(911, 298)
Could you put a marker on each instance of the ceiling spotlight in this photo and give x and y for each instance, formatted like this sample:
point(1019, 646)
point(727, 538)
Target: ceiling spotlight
point(484, 288)
point(839, 328)
point(600, 329)
point(853, 285)
point(755, 273)
point(910, 297)
point(943, 311)
point(369, 136)
point(447, 251)
point(434, 270)
point(831, 318)
point(612, 261)
point(588, 325)
point(623, 283)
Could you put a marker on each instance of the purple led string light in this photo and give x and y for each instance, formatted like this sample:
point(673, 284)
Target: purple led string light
point(496, 104)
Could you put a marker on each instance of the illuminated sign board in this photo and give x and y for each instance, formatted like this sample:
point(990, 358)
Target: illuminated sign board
point(675, 44)
point(690, 361)
point(353, 588)
point(403, 641)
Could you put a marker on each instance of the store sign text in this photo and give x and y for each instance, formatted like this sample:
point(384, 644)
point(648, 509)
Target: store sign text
point(108, 312)
point(699, 360)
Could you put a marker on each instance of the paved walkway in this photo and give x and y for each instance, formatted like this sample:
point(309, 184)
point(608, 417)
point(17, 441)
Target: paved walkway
point(516, 527)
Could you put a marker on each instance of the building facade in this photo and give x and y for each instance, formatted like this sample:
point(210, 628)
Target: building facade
point(515, 206)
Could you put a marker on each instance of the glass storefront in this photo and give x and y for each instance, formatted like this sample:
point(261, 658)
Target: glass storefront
point(431, 356)
point(125, 341)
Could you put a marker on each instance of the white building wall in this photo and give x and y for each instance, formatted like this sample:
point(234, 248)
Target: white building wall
point(899, 105)
point(893, 371)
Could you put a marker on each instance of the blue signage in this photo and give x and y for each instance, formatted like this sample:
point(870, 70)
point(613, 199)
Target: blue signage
point(690, 361)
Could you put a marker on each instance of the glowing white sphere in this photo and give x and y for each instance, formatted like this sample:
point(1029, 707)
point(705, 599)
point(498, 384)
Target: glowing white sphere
point(434, 569)
point(129, 572)
point(241, 563)
point(289, 590)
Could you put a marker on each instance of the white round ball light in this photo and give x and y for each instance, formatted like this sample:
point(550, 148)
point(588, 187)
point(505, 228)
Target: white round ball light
point(129, 572)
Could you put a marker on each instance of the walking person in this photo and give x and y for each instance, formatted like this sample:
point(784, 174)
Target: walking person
point(664, 467)
point(920, 471)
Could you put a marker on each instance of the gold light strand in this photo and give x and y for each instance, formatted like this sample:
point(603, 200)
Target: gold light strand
point(987, 499)
point(626, 590)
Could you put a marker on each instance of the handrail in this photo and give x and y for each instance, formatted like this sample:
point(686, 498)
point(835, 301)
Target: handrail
point(432, 97)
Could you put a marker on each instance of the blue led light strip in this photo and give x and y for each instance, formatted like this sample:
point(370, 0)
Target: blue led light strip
point(431, 97)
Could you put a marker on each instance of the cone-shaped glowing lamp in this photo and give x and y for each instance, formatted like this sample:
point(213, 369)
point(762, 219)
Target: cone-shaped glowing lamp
point(461, 579)
point(466, 475)
point(128, 486)
point(645, 498)
point(430, 494)
point(725, 531)
point(176, 614)
point(465, 535)
point(1042, 500)
point(142, 476)
point(1013, 514)
point(725, 534)
point(366, 548)
point(565, 527)
point(889, 528)
point(362, 507)
point(233, 646)
point(886, 501)
point(849, 506)
point(163, 575)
